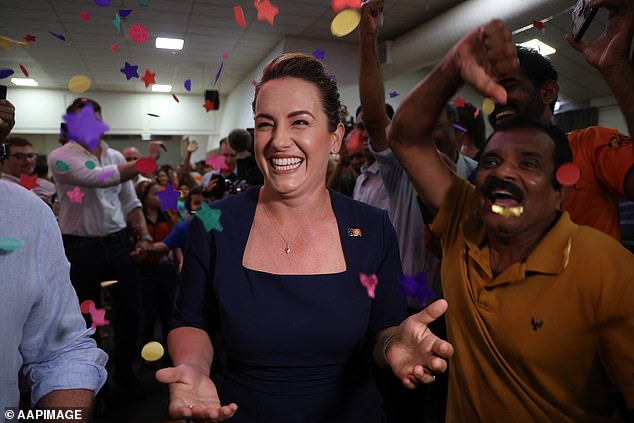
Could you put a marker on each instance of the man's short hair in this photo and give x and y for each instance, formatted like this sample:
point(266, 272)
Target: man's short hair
point(562, 152)
point(239, 140)
point(536, 67)
point(81, 102)
point(16, 142)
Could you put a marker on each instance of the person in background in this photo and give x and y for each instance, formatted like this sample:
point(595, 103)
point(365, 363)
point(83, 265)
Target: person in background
point(165, 175)
point(132, 154)
point(45, 189)
point(20, 159)
point(470, 130)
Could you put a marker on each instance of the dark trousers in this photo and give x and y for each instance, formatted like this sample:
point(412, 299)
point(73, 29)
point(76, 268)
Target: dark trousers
point(158, 289)
point(94, 260)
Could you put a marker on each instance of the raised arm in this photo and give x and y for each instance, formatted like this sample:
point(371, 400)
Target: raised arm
point(371, 89)
point(477, 59)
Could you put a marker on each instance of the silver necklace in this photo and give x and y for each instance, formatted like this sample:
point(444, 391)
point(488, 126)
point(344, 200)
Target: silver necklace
point(287, 250)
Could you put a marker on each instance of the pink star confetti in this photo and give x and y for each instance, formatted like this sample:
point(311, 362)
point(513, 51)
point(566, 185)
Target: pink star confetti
point(369, 282)
point(217, 162)
point(75, 195)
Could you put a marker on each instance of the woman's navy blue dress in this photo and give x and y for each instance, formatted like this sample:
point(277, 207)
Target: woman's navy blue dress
point(298, 346)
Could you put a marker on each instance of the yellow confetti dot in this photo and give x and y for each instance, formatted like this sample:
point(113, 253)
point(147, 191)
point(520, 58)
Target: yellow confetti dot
point(488, 106)
point(108, 283)
point(345, 22)
point(152, 351)
point(79, 84)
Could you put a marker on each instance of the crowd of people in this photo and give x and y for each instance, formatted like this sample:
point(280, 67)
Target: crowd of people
point(291, 305)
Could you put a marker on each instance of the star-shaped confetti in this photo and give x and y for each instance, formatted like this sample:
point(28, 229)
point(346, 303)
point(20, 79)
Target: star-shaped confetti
point(117, 22)
point(394, 94)
point(84, 127)
point(97, 315)
point(539, 24)
point(319, 54)
point(369, 282)
point(130, 71)
point(266, 11)
point(84, 15)
point(148, 78)
point(75, 195)
point(209, 105)
point(338, 5)
point(124, 13)
point(217, 162)
point(188, 84)
point(138, 33)
point(145, 165)
point(114, 47)
point(30, 38)
point(168, 198)
point(416, 287)
point(59, 36)
point(29, 181)
point(105, 174)
point(102, 3)
point(8, 244)
point(459, 102)
point(4, 73)
point(210, 217)
point(238, 15)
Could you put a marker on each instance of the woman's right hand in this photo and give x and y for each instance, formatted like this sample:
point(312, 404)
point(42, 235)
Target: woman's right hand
point(194, 395)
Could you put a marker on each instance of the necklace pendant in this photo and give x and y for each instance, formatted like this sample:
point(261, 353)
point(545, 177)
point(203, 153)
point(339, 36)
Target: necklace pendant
point(287, 250)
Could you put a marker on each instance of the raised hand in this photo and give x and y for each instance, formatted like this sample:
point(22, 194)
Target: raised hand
point(192, 145)
point(485, 54)
point(415, 354)
point(371, 16)
point(193, 395)
point(155, 149)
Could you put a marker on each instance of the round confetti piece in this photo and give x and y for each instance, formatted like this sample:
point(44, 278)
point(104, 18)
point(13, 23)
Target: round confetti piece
point(488, 106)
point(86, 305)
point(145, 165)
point(62, 166)
point(84, 15)
point(152, 351)
point(345, 22)
point(79, 84)
point(10, 244)
point(568, 174)
point(138, 33)
point(90, 164)
point(4, 73)
point(188, 84)
point(105, 284)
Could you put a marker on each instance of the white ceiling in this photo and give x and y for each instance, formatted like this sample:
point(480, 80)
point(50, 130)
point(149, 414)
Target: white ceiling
point(209, 30)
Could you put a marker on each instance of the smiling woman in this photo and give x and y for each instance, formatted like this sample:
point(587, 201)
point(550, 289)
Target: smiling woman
point(281, 282)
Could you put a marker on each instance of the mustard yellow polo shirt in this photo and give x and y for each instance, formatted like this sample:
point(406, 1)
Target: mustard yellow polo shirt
point(547, 339)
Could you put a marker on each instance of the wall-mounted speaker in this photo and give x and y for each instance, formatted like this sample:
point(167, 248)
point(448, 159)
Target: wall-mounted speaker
point(214, 97)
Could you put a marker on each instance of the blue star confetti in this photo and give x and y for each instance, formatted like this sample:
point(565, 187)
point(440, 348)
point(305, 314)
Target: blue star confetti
point(130, 71)
point(319, 54)
point(84, 127)
point(416, 287)
point(169, 198)
point(394, 94)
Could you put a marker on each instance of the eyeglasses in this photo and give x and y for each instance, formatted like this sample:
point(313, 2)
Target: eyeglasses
point(23, 156)
point(131, 159)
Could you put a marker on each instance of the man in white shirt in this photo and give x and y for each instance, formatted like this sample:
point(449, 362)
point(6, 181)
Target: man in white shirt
point(97, 203)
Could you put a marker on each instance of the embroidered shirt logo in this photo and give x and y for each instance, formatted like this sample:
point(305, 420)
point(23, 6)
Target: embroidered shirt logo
point(354, 232)
point(536, 325)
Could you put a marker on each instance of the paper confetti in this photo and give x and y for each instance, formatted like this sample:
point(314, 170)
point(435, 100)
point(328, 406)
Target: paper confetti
point(75, 195)
point(107, 173)
point(29, 181)
point(266, 11)
point(138, 33)
point(152, 351)
point(539, 24)
point(59, 36)
point(4, 73)
point(488, 106)
point(217, 162)
point(84, 127)
point(102, 3)
point(8, 244)
point(459, 102)
point(209, 106)
point(24, 71)
point(117, 22)
point(416, 287)
point(394, 94)
point(148, 78)
point(238, 15)
point(114, 48)
point(84, 15)
point(145, 165)
point(369, 282)
point(188, 84)
point(152, 114)
point(79, 84)
point(219, 72)
point(345, 22)
point(30, 38)
point(124, 13)
point(210, 217)
point(339, 5)
point(86, 306)
point(319, 54)
point(175, 98)
point(90, 164)
point(62, 166)
point(130, 71)
point(568, 174)
point(225, 55)
point(144, 4)
point(7, 43)
point(168, 198)
point(98, 317)
point(476, 113)
point(106, 284)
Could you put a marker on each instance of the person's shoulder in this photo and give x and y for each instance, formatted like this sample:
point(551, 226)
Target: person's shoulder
point(598, 245)
point(235, 203)
point(595, 135)
point(20, 198)
point(354, 207)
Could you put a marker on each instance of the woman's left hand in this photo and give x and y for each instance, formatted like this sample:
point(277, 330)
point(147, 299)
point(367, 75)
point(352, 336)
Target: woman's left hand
point(415, 354)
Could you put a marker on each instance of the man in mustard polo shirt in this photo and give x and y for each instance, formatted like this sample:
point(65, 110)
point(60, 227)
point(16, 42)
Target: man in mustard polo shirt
point(541, 310)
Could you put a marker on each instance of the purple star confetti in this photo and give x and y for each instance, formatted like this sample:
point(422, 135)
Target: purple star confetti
point(188, 84)
point(102, 3)
point(394, 94)
point(124, 13)
point(169, 198)
point(59, 36)
point(416, 287)
point(84, 127)
point(130, 71)
point(319, 54)
point(4, 73)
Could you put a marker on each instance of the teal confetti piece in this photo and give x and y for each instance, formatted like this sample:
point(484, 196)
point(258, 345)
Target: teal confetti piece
point(62, 166)
point(210, 218)
point(90, 164)
point(10, 244)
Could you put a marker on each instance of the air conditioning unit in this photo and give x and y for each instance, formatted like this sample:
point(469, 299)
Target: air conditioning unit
point(385, 54)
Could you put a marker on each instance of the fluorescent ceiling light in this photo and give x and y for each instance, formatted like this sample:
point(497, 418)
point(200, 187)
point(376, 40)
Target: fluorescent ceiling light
point(24, 82)
point(161, 88)
point(543, 48)
point(170, 43)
